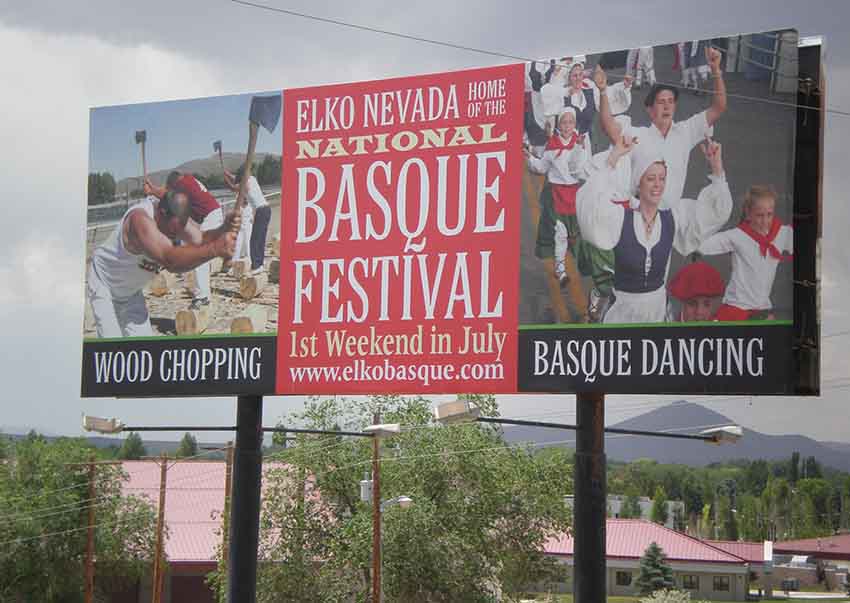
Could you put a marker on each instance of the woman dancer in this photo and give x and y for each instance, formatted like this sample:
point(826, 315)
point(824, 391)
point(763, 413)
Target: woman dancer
point(643, 238)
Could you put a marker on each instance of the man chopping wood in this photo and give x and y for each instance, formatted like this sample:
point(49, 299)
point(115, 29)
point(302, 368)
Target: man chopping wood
point(205, 211)
point(141, 245)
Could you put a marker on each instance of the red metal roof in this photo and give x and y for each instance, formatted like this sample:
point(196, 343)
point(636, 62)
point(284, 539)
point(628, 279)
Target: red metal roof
point(752, 552)
point(194, 500)
point(629, 538)
point(828, 547)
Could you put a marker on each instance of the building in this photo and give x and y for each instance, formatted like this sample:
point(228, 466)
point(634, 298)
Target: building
point(616, 503)
point(706, 571)
point(194, 503)
point(828, 560)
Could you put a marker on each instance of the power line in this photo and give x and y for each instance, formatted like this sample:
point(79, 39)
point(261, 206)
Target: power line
point(493, 53)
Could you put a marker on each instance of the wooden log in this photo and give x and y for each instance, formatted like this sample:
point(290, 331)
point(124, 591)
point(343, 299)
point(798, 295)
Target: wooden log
point(193, 322)
point(162, 283)
point(216, 265)
point(276, 245)
point(274, 271)
point(252, 285)
point(240, 267)
point(251, 320)
point(190, 281)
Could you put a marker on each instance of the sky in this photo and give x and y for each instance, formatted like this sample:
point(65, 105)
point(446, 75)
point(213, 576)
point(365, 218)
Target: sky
point(198, 121)
point(62, 61)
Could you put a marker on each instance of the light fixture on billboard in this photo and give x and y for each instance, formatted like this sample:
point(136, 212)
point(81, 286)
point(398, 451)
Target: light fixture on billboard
point(102, 425)
point(383, 430)
point(462, 410)
point(728, 434)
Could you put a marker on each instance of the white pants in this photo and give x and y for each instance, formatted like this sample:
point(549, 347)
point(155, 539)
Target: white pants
point(116, 317)
point(640, 62)
point(243, 239)
point(213, 220)
point(562, 246)
point(648, 307)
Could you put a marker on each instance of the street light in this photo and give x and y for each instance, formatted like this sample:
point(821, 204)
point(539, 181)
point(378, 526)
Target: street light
point(728, 434)
point(383, 430)
point(102, 425)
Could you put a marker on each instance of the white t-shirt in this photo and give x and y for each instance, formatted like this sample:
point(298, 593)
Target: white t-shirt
point(675, 148)
point(256, 199)
point(123, 272)
point(562, 166)
point(752, 273)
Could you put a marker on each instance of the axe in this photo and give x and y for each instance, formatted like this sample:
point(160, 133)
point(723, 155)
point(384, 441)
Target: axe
point(265, 111)
point(141, 137)
point(217, 149)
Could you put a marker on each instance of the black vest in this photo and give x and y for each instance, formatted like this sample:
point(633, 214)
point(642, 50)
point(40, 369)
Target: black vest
point(633, 271)
point(584, 118)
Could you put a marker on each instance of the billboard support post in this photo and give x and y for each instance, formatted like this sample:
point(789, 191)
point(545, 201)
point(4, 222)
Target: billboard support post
point(590, 499)
point(245, 506)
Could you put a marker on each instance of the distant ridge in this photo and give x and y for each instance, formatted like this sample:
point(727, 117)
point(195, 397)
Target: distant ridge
point(680, 416)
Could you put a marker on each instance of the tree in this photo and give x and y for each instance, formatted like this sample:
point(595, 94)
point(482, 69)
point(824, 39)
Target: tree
point(482, 509)
point(655, 573)
point(188, 446)
point(658, 513)
point(101, 188)
point(794, 467)
point(631, 507)
point(45, 499)
point(726, 518)
point(680, 524)
point(133, 448)
point(812, 469)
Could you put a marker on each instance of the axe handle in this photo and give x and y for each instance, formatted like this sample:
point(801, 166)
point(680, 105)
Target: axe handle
point(144, 163)
point(246, 170)
point(221, 159)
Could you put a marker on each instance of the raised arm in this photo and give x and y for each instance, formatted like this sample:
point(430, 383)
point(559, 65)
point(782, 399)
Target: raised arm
point(600, 221)
point(718, 102)
point(696, 220)
point(142, 230)
point(230, 181)
point(150, 188)
point(718, 243)
point(606, 119)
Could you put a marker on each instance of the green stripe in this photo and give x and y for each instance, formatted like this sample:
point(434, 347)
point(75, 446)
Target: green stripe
point(173, 337)
point(744, 323)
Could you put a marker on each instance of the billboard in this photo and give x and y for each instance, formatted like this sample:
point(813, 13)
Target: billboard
point(619, 222)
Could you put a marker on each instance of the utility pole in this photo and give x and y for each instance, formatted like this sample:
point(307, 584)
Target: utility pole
point(590, 500)
point(160, 525)
point(228, 484)
point(90, 537)
point(376, 514)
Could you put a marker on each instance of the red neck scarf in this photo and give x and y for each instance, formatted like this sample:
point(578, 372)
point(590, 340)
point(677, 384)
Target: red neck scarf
point(766, 241)
point(557, 144)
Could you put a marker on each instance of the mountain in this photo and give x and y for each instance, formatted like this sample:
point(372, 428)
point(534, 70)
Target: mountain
point(685, 417)
point(204, 167)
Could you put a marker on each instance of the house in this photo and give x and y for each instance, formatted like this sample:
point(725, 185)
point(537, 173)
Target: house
point(828, 557)
point(759, 557)
point(706, 571)
point(616, 503)
point(194, 503)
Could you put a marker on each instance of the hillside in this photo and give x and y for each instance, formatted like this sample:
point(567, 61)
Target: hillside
point(204, 167)
point(681, 415)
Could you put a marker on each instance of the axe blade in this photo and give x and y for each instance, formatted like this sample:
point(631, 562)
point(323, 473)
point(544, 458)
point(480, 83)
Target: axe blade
point(141, 136)
point(265, 111)
point(217, 146)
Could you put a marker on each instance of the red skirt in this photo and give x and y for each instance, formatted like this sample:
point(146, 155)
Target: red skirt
point(564, 199)
point(733, 313)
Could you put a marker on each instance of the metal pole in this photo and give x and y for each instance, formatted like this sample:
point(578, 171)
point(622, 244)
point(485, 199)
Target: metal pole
point(590, 500)
point(376, 515)
point(245, 506)
point(160, 524)
point(90, 539)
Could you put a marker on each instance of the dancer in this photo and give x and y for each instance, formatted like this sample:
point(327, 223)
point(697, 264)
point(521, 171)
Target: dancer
point(758, 245)
point(643, 238)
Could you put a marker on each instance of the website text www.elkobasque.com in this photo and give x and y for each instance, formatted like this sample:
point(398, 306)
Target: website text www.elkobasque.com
point(421, 374)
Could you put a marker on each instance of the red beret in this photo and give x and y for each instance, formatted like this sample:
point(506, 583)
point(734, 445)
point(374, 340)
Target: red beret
point(698, 278)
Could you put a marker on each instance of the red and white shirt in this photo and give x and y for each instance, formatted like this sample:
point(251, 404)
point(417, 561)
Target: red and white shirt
point(755, 258)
